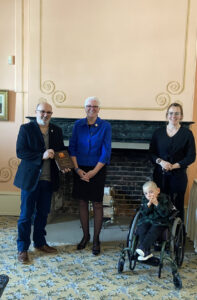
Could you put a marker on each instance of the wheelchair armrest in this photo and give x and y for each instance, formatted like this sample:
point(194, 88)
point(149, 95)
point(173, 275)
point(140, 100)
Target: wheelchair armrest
point(173, 214)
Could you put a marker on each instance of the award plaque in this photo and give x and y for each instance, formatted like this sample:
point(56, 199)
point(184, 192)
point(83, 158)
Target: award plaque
point(63, 160)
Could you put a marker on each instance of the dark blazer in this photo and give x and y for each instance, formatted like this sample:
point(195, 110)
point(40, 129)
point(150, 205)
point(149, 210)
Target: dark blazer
point(30, 147)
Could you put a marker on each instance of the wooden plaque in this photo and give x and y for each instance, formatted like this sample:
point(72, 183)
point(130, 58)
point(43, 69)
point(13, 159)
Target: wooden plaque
point(63, 160)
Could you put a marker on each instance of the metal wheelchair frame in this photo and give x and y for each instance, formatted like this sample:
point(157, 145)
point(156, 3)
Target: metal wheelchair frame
point(172, 248)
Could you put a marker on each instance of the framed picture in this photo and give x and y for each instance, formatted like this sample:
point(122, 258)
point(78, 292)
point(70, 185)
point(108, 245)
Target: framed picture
point(3, 105)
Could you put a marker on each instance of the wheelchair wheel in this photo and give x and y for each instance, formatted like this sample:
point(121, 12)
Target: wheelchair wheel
point(121, 265)
point(177, 242)
point(132, 242)
point(160, 268)
point(177, 280)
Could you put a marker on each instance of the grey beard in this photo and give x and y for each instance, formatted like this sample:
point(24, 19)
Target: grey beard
point(42, 122)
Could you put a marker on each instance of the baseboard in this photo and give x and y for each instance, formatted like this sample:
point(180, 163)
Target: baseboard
point(9, 203)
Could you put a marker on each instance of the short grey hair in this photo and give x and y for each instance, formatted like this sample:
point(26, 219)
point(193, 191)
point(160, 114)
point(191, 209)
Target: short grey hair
point(42, 102)
point(149, 184)
point(92, 98)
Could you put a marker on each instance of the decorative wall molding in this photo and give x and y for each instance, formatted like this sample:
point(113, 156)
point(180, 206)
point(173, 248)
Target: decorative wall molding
point(6, 173)
point(175, 88)
point(47, 87)
point(162, 100)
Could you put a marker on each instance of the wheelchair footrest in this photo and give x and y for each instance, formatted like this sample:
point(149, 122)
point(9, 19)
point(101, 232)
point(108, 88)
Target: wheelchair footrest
point(152, 261)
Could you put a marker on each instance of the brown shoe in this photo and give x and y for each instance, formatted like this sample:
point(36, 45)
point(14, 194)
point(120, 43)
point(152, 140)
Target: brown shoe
point(47, 249)
point(23, 257)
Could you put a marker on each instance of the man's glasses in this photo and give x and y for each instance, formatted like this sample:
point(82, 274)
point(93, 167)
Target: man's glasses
point(92, 106)
point(170, 113)
point(45, 112)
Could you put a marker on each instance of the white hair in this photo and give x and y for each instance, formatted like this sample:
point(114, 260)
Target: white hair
point(149, 184)
point(92, 98)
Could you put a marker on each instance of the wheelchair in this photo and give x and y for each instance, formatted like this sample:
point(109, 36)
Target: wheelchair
point(171, 243)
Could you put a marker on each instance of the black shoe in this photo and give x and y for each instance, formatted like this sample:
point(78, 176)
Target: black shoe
point(96, 248)
point(3, 282)
point(157, 247)
point(83, 243)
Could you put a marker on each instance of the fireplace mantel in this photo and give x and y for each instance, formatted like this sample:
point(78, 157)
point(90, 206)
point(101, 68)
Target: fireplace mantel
point(126, 134)
point(124, 145)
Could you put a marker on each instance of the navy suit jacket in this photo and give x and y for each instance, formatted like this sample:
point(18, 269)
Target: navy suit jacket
point(30, 147)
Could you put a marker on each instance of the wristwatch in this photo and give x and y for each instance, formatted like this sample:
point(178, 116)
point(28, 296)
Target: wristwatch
point(158, 160)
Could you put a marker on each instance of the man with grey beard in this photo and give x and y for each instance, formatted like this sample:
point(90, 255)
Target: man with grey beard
point(37, 177)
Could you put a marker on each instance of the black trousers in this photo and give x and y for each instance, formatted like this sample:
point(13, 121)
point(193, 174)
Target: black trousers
point(148, 234)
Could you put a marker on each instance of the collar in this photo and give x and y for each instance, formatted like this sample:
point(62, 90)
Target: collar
point(96, 124)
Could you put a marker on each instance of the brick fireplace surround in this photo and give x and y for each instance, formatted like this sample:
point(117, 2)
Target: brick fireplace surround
point(130, 166)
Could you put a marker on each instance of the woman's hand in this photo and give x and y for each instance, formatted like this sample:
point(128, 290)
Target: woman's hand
point(82, 174)
point(175, 166)
point(166, 165)
point(89, 175)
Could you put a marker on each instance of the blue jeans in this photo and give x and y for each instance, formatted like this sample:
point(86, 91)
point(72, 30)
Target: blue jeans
point(35, 203)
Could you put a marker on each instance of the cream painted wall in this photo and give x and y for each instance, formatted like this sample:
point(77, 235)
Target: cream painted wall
point(8, 129)
point(9, 195)
point(137, 56)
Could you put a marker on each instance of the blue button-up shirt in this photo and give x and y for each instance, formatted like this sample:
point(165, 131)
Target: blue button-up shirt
point(91, 144)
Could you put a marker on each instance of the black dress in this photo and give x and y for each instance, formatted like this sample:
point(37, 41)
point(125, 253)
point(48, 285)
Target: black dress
point(179, 148)
point(92, 190)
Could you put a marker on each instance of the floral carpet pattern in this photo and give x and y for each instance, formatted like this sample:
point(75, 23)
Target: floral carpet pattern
point(77, 275)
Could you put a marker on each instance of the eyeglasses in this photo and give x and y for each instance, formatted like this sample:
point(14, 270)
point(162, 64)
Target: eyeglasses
point(92, 106)
point(174, 113)
point(45, 112)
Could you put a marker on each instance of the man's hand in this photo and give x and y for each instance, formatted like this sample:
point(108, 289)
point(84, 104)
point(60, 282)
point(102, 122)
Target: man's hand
point(66, 170)
point(49, 153)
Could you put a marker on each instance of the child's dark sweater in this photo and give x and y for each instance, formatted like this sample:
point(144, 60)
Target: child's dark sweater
point(157, 215)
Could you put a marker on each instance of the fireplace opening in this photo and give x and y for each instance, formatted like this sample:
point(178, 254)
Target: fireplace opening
point(127, 172)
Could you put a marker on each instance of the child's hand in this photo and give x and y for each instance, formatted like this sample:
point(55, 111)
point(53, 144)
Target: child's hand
point(149, 203)
point(154, 201)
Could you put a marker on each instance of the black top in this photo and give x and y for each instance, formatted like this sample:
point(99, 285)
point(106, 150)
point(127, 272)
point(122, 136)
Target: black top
point(179, 148)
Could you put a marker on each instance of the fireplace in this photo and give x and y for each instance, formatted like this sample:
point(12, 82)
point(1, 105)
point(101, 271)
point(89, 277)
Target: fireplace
point(130, 166)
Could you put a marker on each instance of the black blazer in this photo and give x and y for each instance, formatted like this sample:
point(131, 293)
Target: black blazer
point(30, 147)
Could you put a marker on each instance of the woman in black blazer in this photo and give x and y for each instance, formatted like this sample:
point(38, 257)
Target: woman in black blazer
point(172, 150)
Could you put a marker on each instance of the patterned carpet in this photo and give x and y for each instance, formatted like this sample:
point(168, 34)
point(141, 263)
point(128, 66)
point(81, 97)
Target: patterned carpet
point(76, 275)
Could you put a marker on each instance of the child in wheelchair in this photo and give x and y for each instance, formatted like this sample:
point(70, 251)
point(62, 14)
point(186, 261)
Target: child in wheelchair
point(154, 219)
